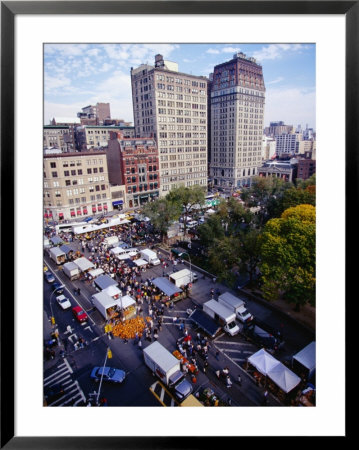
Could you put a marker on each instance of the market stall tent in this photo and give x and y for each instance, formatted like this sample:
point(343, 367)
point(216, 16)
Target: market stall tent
point(140, 262)
point(56, 240)
point(104, 281)
point(113, 291)
point(96, 272)
point(166, 286)
point(263, 361)
point(284, 378)
point(305, 359)
point(84, 264)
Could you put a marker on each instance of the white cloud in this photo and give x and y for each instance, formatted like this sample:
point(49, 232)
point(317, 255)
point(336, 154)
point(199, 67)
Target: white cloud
point(275, 81)
point(231, 50)
point(293, 105)
point(213, 51)
point(276, 51)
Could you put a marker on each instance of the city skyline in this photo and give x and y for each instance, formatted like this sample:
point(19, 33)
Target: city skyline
point(76, 75)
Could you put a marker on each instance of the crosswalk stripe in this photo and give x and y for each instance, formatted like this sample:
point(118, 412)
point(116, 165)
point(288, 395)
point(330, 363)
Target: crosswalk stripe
point(56, 379)
point(64, 370)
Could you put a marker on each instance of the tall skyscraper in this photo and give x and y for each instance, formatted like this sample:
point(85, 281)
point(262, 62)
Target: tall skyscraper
point(171, 107)
point(237, 116)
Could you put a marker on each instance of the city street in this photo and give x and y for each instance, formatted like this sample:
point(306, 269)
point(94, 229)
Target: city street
point(135, 390)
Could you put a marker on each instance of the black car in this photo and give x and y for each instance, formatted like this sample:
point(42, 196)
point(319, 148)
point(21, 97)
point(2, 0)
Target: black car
point(57, 287)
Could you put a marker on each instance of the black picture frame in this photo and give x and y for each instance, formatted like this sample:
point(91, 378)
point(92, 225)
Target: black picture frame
point(9, 10)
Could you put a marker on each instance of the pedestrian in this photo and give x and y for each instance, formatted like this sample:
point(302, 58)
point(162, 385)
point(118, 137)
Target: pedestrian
point(265, 398)
point(218, 373)
point(239, 380)
point(78, 291)
point(205, 366)
point(140, 344)
point(228, 381)
point(217, 355)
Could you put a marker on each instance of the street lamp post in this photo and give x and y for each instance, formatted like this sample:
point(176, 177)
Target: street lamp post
point(108, 351)
point(190, 264)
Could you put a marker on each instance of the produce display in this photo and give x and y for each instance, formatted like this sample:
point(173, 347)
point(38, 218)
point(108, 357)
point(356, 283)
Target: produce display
point(129, 328)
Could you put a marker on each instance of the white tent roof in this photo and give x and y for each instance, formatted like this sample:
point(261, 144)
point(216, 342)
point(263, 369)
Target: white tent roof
point(112, 291)
point(210, 211)
point(306, 357)
point(116, 250)
point(140, 262)
point(263, 361)
point(283, 377)
point(126, 301)
point(96, 272)
point(124, 256)
point(105, 299)
point(83, 264)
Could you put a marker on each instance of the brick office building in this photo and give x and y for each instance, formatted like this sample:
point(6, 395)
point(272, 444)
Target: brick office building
point(134, 163)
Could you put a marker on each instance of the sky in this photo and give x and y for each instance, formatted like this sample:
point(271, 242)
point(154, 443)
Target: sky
point(77, 75)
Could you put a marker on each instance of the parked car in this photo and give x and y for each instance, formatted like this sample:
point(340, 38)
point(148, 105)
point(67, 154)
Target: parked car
point(57, 287)
point(63, 301)
point(79, 314)
point(108, 374)
point(49, 277)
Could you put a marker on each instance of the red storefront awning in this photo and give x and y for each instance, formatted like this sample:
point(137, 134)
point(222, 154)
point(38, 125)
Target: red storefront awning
point(61, 215)
point(99, 207)
point(105, 206)
point(93, 209)
point(72, 213)
point(46, 215)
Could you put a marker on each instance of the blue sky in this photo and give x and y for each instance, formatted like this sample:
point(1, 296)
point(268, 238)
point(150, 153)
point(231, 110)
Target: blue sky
point(77, 75)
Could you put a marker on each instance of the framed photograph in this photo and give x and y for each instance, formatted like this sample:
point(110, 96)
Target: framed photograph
point(38, 83)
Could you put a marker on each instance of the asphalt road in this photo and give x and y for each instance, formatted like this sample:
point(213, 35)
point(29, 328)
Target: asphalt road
point(135, 390)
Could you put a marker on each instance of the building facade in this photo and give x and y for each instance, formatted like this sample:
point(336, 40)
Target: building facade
point(97, 137)
point(287, 170)
point(134, 163)
point(171, 107)
point(237, 116)
point(287, 145)
point(60, 137)
point(76, 185)
point(95, 113)
point(277, 128)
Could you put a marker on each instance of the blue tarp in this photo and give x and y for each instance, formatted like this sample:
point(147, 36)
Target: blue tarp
point(205, 322)
point(66, 249)
point(166, 286)
point(56, 240)
point(88, 219)
point(105, 281)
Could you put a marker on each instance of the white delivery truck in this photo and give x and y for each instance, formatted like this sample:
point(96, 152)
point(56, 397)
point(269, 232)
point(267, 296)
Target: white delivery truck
point(71, 270)
point(168, 369)
point(111, 241)
point(236, 305)
point(183, 277)
point(57, 255)
point(224, 316)
point(106, 305)
point(150, 256)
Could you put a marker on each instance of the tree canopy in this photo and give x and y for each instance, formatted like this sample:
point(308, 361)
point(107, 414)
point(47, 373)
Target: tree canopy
point(288, 256)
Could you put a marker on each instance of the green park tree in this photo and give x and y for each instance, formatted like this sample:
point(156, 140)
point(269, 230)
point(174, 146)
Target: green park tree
point(288, 256)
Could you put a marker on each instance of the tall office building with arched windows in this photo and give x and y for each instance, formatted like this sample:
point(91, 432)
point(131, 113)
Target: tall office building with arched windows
point(237, 119)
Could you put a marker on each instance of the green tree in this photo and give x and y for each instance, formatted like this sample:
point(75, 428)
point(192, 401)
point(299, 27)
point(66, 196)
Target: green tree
point(250, 252)
point(162, 213)
point(288, 256)
point(188, 198)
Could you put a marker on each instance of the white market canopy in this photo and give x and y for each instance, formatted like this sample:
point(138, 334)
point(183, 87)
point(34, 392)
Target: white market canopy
point(116, 250)
point(283, 377)
point(96, 272)
point(123, 256)
point(56, 251)
point(112, 291)
point(84, 264)
point(263, 361)
point(210, 211)
point(125, 301)
point(140, 262)
point(306, 357)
